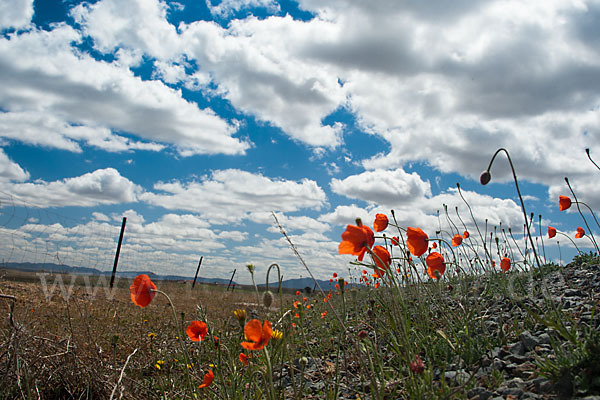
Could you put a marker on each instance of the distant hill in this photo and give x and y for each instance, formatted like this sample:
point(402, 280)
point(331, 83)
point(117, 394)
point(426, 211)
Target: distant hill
point(67, 269)
point(298, 284)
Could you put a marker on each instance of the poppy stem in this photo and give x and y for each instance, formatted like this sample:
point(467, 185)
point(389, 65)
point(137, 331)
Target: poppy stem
point(542, 238)
point(591, 235)
point(487, 253)
point(279, 288)
point(269, 373)
point(518, 192)
point(572, 241)
point(591, 212)
point(587, 151)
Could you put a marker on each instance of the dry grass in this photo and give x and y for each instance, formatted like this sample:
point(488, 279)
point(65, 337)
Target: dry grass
point(76, 348)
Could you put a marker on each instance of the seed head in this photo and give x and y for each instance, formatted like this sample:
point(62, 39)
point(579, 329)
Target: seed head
point(267, 298)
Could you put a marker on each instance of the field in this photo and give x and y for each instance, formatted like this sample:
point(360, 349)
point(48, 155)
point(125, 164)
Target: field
point(459, 338)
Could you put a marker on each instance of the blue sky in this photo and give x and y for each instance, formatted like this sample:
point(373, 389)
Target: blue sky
point(197, 119)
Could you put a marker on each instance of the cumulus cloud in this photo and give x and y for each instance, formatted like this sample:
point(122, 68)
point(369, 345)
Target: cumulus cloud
point(11, 171)
point(414, 205)
point(228, 7)
point(232, 195)
point(56, 96)
point(383, 187)
point(450, 85)
point(15, 14)
point(103, 186)
point(251, 62)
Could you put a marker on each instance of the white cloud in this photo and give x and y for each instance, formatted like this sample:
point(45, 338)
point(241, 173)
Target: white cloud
point(383, 187)
point(98, 216)
point(15, 14)
point(137, 24)
point(344, 215)
point(232, 195)
point(228, 7)
point(449, 85)
point(11, 171)
point(103, 186)
point(56, 96)
point(251, 62)
point(290, 223)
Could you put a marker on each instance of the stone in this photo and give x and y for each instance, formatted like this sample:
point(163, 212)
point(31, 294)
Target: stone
point(528, 340)
point(479, 393)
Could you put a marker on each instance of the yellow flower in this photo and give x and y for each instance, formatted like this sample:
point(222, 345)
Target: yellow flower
point(211, 365)
point(160, 362)
point(240, 314)
point(277, 334)
point(157, 366)
point(188, 366)
point(152, 335)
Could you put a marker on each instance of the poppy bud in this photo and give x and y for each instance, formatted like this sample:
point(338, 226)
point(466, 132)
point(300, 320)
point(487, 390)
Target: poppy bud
point(485, 177)
point(267, 298)
point(417, 366)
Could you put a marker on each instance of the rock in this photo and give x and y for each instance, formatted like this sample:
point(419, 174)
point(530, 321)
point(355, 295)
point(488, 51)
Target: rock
point(573, 293)
point(528, 340)
point(479, 393)
point(544, 338)
point(460, 377)
point(517, 348)
point(542, 385)
point(516, 392)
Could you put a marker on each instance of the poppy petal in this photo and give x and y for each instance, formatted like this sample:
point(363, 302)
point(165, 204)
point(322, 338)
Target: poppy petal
point(253, 330)
point(142, 290)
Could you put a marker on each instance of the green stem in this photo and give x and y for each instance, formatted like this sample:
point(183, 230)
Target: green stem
point(520, 197)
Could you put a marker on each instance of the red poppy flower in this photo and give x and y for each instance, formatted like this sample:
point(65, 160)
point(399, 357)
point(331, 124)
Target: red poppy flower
point(335, 274)
point(323, 314)
point(355, 241)
point(435, 263)
point(142, 290)
point(259, 335)
point(196, 331)
point(376, 286)
point(381, 222)
point(457, 240)
point(297, 293)
point(417, 241)
point(580, 233)
point(505, 264)
point(244, 359)
point(434, 245)
point(396, 241)
point(382, 265)
point(465, 235)
point(217, 342)
point(563, 203)
point(208, 378)
point(551, 232)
